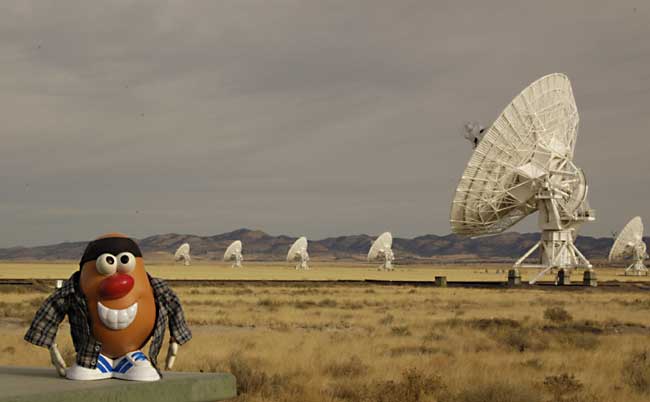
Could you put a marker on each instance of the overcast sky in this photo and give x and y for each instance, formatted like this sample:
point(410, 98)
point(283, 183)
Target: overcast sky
point(296, 117)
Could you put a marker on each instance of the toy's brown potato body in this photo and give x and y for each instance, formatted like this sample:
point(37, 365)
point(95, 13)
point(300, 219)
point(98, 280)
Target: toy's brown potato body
point(117, 343)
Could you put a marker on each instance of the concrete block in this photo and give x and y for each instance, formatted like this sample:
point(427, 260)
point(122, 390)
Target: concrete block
point(563, 277)
point(29, 384)
point(514, 277)
point(589, 278)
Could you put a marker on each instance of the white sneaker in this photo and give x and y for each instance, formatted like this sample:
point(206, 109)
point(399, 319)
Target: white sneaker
point(135, 366)
point(101, 372)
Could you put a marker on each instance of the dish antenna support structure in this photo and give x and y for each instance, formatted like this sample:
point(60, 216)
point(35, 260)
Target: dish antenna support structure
point(524, 164)
point(473, 132)
point(233, 252)
point(298, 253)
point(382, 247)
point(629, 244)
point(183, 254)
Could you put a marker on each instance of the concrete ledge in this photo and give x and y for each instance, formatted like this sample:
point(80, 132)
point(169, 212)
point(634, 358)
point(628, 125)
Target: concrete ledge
point(27, 384)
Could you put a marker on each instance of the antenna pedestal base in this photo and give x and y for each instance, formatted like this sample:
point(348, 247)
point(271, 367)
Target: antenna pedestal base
point(556, 251)
point(386, 266)
point(636, 269)
point(302, 265)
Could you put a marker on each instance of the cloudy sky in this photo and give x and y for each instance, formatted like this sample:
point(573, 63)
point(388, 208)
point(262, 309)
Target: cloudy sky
point(294, 116)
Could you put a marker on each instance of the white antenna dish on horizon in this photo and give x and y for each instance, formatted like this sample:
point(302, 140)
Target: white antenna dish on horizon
point(233, 252)
point(383, 248)
point(473, 132)
point(298, 253)
point(183, 254)
point(524, 164)
point(629, 244)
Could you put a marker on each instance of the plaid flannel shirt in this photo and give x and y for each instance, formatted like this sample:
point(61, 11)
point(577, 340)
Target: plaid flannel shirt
point(69, 300)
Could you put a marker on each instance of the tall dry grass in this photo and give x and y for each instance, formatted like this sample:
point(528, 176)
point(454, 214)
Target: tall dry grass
point(401, 344)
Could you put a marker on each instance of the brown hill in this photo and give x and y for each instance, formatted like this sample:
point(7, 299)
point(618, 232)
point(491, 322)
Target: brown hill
point(260, 245)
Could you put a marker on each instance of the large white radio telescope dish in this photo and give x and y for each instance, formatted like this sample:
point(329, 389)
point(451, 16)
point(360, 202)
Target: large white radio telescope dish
point(298, 253)
point(524, 164)
point(183, 254)
point(629, 244)
point(233, 252)
point(382, 248)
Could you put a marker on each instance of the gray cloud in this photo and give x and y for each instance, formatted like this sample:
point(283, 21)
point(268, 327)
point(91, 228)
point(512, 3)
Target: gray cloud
point(316, 118)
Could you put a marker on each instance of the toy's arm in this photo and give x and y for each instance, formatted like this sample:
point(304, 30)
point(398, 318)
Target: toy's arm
point(178, 329)
point(171, 354)
point(57, 360)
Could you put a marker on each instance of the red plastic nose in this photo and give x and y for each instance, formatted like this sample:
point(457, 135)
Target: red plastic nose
point(115, 286)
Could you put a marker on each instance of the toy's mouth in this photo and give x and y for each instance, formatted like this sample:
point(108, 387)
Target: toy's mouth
point(117, 319)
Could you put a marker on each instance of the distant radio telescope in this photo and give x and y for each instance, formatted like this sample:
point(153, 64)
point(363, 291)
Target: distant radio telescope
point(298, 253)
point(382, 248)
point(629, 245)
point(183, 254)
point(233, 252)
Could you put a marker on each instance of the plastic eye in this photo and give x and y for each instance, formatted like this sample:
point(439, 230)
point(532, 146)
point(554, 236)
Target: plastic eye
point(106, 264)
point(125, 262)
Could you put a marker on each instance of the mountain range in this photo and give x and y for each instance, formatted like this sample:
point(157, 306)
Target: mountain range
point(259, 245)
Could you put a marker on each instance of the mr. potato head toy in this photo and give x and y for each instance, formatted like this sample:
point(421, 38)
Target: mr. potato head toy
point(114, 307)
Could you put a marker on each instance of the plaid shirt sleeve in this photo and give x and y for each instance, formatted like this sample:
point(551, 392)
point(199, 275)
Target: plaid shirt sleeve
point(178, 328)
point(44, 326)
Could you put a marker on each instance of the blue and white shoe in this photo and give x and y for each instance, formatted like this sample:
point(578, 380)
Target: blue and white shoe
point(135, 366)
point(103, 370)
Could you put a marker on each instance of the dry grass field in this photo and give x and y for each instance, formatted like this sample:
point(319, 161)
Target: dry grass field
point(361, 343)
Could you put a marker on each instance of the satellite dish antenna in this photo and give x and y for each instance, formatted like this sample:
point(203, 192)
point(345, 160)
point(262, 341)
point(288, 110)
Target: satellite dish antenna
point(183, 254)
point(382, 248)
point(233, 252)
point(473, 132)
point(298, 253)
point(629, 244)
point(524, 164)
